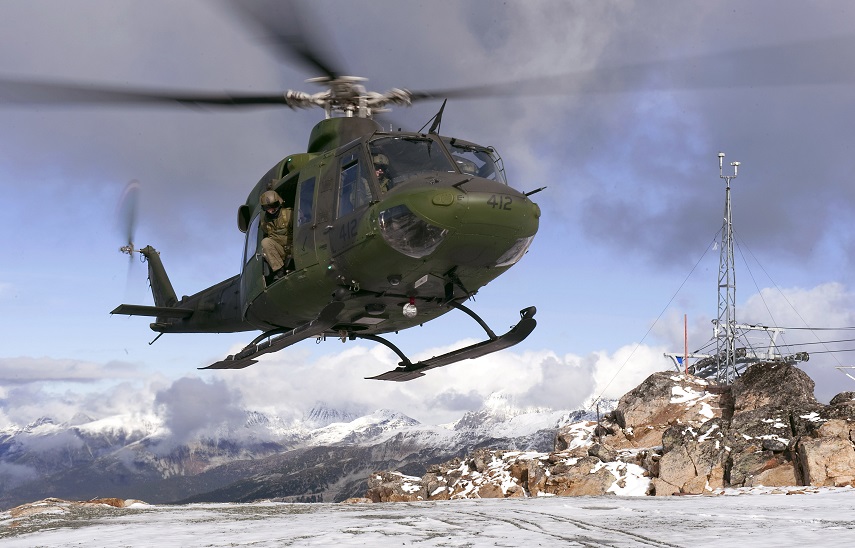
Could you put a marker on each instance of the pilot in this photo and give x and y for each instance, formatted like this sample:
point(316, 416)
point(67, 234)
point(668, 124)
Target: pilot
point(276, 227)
point(381, 169)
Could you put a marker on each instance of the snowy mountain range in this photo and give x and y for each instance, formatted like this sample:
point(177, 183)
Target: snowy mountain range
point(324, 455)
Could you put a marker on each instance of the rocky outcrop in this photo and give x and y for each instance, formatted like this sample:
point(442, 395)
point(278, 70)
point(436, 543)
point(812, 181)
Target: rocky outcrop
point(778, 435)
point(60, 506)
point(673, 434)
point(507, 474)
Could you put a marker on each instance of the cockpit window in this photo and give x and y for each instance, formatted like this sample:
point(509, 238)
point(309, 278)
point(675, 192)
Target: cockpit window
point(476, 160)
point(397, 159)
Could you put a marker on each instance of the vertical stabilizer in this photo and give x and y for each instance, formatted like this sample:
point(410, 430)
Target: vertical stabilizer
point(161, 288)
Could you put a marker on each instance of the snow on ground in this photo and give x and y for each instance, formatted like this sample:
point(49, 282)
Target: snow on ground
point(766, 517)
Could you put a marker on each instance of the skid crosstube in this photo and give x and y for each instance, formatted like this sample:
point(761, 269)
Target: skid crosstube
point(246, 357)
point(407, 370)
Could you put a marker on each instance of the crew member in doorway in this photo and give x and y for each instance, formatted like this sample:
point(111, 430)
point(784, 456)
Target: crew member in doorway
point(276, 227)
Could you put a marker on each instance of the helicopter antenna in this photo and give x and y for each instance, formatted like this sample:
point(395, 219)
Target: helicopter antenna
point(437, 120)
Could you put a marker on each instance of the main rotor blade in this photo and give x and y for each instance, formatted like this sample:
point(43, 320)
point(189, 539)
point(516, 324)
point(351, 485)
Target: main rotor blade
point(815, 62)
point(288, 32)
point(34, 92)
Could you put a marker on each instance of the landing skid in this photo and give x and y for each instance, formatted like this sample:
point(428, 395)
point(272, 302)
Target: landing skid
point(246, 357)
point(407, 370)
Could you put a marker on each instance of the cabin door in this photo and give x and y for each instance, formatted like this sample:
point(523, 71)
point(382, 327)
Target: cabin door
point(305, 225)
point(252, 276)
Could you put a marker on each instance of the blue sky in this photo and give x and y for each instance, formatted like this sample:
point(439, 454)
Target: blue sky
point(627, 148)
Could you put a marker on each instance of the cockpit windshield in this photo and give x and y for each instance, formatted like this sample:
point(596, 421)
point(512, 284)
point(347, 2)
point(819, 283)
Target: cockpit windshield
point(476, 160)
point(397, 159)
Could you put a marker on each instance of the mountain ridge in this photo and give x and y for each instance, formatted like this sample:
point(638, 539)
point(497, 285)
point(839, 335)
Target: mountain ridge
point(138, 456)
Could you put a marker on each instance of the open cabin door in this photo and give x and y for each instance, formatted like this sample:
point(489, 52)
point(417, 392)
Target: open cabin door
point(305, 225)
point(252, 273)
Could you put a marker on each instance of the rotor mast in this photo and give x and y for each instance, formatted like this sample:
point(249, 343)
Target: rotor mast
point(725, 325)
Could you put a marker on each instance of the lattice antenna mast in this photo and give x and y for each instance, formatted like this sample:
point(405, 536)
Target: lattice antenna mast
point(725, 325)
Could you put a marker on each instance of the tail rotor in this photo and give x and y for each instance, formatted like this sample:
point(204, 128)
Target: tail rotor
point(126, 216)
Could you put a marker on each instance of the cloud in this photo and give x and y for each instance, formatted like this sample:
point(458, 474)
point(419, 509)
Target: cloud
point(452, 400)
point(563, 383)
point(12, 475)
point(289, 385)
point(192, 408)
point(535, 378)
point(65, 440)
point(24, 370)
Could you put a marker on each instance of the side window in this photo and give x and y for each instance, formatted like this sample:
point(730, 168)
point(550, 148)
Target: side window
point(251, 239)
point(476, 160)
point(354, 191)
point(306, 202)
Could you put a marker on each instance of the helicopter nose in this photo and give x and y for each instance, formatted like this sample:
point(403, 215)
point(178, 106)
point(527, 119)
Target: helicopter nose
point(483, 225)
point(496, 227)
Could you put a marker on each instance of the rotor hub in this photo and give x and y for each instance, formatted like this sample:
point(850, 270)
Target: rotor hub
point(345, 95)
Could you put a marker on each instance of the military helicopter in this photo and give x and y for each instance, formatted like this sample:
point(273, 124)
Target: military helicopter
point(389, 229)
point(371, 253)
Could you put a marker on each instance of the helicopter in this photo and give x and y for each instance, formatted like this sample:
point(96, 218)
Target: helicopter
point(370, 255)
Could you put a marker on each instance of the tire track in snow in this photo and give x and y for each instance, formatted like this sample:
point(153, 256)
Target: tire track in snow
point(616, 537)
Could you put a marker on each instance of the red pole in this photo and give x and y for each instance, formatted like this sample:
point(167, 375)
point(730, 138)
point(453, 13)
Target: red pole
point(686, 342)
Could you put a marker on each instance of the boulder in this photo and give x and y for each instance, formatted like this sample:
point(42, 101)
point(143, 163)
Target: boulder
point(357, 500)
point(585, 476)
point(602, 452)
point(576, 438)
point(843, 397)
point(394, 487)
point(772, 384)
point(693, 459)
point(827, 461)
point(662, 400)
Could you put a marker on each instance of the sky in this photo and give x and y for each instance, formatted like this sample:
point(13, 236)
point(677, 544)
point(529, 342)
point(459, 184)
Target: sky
point(763, 517)
point(622, 113)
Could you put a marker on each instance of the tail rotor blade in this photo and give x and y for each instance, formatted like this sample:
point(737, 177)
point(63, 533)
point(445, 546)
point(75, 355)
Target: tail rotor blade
point(126, 215)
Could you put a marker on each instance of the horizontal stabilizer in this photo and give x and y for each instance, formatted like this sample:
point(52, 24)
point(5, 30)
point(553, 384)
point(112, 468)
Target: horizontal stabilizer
point(408, 371)
point(154, 311)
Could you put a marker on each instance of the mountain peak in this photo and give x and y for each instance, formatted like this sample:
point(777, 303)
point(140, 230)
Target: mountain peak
point(40, 423)
point(323, 414)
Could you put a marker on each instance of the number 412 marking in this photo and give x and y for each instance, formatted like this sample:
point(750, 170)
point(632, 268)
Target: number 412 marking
point(500, 202)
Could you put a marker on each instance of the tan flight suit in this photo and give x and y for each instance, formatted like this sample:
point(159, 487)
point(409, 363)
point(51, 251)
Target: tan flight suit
point(276, 246)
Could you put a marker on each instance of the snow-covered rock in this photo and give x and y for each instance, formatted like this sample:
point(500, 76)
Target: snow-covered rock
point(673, 434)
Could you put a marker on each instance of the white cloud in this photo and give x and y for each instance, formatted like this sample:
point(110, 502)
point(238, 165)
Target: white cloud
point(23, 370)
point(12, 475)
point(291, 384)
point(620, 372)
point(826, 305)
point(193, 408)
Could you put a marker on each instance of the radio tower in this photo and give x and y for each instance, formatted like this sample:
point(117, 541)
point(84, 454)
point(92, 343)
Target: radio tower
point(725, 325)
point(729, 360)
